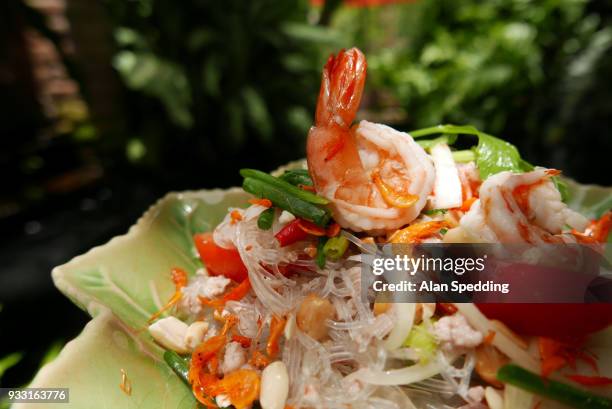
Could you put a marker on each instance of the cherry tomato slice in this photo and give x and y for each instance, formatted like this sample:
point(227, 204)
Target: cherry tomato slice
point(219, 260)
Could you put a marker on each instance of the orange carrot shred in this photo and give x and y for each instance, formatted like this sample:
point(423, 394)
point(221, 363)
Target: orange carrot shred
point(307, 187)
point(591, 380)
point(236, 216)
point(467, 204)
point(261, 202)
point(242, 340)
point(489, 338)
point(276, 330)
point(179, 278)
point(311, 228)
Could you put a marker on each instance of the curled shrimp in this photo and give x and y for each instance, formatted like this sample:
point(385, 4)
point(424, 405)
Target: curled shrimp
point(520, 208)
point(376, 178)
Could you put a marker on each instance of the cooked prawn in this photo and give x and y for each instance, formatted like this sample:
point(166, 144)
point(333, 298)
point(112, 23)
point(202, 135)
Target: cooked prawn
point(377, 178)
point(520, 208)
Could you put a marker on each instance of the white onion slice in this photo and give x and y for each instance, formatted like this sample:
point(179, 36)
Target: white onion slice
point(504, 343)
point(447, 185)
point(404, 318)
point(404, 376)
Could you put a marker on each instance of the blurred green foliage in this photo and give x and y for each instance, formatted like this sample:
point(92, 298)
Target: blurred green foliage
point(226, 74)
point(529, 71)
point(243, 75)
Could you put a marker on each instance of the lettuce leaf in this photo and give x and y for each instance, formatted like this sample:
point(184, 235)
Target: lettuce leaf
point(492, 155)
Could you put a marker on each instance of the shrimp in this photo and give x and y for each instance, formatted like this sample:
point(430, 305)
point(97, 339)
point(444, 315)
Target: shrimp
point(376, 178)
point(520, 208)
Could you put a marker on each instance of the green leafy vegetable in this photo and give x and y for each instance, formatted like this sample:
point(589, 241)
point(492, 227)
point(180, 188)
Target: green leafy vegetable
point(561, 392)
point(494, 155)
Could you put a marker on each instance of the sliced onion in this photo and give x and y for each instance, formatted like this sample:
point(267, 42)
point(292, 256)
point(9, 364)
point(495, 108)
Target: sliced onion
point(404, 315)
point(404, 376)
point(504, 343)
point(447, 184)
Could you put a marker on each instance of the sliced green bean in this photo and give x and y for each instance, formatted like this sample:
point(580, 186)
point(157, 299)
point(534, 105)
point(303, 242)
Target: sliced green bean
point(286, 201)
point(179, 365)
point(320, 258)
point(265, 219)
point(297, 177)
point(561, 392)
point(335, 247)
point(285, 186)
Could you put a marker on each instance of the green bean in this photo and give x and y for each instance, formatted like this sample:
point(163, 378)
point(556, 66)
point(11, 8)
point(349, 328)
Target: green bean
point(320, 258)
point(335, 247)
point(265, 219)
point(179, 365)
point(297, 177)
point(284, 186)
point(287, 201)
point(561, 392)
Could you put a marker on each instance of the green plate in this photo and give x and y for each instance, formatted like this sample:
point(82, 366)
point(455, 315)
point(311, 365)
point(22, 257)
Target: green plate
point(123, 282)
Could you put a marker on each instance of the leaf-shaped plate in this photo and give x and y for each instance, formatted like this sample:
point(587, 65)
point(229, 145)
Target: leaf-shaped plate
point(123, 282)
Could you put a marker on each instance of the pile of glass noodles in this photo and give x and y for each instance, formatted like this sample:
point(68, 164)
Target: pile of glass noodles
point(276, 316)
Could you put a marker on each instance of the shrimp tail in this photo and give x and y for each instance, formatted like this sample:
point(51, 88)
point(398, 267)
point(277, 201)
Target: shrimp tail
point(342, 85)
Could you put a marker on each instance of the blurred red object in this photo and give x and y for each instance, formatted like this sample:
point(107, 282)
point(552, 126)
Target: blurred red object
point(364, 3)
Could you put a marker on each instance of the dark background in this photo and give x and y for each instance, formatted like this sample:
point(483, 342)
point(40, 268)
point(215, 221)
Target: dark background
point(107, 105)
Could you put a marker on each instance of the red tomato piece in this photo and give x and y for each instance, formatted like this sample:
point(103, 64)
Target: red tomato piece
point(219, 260)
point(558, 321)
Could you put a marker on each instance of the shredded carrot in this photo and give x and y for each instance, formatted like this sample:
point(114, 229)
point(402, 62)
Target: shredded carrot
point(236, 216)
point(392, 197)
point(415, 232)
point(600, 229)
point(261, 202)
point(467, 204)
point(259, 360)
point(245, 342)
point(236, 294)
point(307, 187)
point(537, 405)
point(591, 380)
point(333, 230)
point(179, 278)
point(239, 292)
point(489, 338)
point(276, 330)
point(311, 228)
